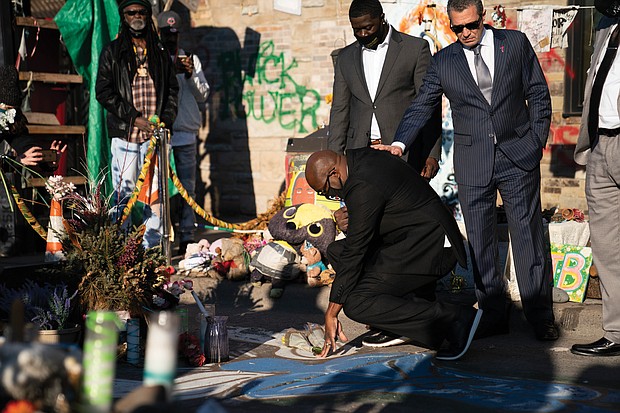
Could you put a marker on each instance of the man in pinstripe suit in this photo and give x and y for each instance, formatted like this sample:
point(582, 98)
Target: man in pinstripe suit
point(501, 111)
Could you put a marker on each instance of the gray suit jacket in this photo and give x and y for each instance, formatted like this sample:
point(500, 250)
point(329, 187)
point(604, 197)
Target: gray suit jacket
point(352, 107)
point(519, 115)
point(582, 149)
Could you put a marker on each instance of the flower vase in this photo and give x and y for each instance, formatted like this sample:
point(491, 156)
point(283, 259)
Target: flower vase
point(216, 339)
point(53, 250)
point(64, 336)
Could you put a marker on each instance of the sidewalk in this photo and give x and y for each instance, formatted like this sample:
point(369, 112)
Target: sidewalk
point(514, 372)
point(500, 371)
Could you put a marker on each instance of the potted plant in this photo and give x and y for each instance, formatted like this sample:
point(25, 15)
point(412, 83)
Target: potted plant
point(49, 307)
point(111, 267)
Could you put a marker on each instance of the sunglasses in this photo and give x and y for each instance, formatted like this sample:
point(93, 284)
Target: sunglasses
point(469, 26)
point(141, 12)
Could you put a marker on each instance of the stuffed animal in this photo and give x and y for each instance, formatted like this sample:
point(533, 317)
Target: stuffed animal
point(295, 225)
point(317, 273)
point(232, 260)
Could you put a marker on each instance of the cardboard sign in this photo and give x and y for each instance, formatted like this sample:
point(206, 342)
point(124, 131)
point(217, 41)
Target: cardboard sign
point(571, 269)
point(297, 189)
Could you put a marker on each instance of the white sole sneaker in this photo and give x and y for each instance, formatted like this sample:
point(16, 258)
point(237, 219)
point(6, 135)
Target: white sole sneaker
point(393, 342)
point(472, 332)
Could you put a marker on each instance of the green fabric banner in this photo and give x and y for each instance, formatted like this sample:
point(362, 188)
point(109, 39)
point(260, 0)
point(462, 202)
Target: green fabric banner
point(86, 27)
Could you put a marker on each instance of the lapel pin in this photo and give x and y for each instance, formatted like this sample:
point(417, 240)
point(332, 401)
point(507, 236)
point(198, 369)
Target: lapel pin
point(502, 48)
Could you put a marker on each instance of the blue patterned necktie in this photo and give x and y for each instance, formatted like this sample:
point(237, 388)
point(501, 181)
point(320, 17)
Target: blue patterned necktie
point(485, 83)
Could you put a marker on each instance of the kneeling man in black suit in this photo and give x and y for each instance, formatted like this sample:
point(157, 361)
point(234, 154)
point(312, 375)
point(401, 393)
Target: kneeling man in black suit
point(400, 239)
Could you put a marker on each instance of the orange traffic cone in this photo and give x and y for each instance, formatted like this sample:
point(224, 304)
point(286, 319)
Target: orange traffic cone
point(53, 250)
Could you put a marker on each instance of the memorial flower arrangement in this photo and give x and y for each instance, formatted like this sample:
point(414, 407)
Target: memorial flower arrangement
point(58, 188)
point(113, 269)
point(7, 117)
point(168, 296)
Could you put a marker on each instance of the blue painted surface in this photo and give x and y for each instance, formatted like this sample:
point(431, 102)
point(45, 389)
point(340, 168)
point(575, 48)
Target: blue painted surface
point(414, 374)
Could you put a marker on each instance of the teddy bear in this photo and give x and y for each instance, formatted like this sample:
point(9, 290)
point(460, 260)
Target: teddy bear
point(317, 273)
point(279, 261)
point(232, 260)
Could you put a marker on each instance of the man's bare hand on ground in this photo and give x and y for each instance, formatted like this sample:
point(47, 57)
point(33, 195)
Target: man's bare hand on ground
point(333, 328)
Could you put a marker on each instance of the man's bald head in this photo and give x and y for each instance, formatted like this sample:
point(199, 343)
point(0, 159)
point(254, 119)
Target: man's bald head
point(318, 166)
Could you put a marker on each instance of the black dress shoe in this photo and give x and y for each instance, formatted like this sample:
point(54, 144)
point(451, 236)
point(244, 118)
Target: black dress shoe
point(461, 334)
point(602, 347)
point(494, 323)
point(384, 339)
point(546, 331)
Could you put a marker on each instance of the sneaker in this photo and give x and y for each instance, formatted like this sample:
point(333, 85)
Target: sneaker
point(461, 335)
point(384, 339)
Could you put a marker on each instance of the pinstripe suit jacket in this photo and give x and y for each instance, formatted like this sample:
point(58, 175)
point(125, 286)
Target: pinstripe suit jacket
point(519, 115)
point(352, 108)
point(582, 149)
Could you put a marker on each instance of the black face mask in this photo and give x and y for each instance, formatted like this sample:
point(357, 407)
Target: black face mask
point(373, 40)
point(333, 193)
point(170, 43)
point(610, 8)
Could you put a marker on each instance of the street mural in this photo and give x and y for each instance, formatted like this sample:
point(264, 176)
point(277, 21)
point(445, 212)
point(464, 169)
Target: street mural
point(400, 374)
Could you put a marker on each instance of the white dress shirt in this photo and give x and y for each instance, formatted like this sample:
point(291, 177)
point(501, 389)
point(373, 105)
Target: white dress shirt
point(608, 110)
point(372, 61)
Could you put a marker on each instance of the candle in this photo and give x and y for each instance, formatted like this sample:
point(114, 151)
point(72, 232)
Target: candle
point(99, 361)
point(161, 350)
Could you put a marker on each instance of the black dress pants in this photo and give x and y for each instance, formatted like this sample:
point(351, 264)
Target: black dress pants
point(389, 302)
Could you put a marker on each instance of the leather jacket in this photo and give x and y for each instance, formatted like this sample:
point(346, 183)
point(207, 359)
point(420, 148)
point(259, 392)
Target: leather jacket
point(114, 79)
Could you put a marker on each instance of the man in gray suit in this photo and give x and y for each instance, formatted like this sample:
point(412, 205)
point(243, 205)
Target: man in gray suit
point(598, 147)
point(501, 111)
point(375, 79)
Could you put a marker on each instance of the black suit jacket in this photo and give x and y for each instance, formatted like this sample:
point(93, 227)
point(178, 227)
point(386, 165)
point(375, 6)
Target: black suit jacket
point(397, 223)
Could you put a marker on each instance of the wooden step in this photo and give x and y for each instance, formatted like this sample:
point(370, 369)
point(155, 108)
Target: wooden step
point(51, 77)
point(56, 130)
point(40, 182)
point(32, 22)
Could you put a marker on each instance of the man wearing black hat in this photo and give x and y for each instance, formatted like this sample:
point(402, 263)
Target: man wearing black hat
point(136, 80)
point(598, 147)
point(193, 91)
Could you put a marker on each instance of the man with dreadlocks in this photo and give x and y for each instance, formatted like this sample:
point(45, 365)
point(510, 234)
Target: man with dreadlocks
point(136, 80)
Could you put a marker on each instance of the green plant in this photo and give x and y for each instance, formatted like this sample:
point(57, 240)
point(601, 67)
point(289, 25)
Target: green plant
point(49, 306)
point(57, 312)
point(112, 269)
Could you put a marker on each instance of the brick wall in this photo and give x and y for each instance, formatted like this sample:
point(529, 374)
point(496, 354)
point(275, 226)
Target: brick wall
point(270, 73)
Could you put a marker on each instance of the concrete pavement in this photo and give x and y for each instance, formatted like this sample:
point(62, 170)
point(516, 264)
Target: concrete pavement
point(513, 372)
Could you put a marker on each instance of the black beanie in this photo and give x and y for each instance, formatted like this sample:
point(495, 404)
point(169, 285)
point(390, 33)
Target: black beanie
point(10, 94)
point(124, 3)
